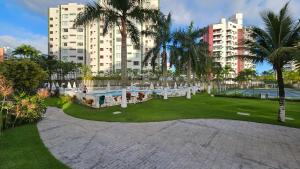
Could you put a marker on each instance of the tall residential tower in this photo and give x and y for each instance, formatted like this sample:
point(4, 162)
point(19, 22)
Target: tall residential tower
point(88, 45)
point(225, 40)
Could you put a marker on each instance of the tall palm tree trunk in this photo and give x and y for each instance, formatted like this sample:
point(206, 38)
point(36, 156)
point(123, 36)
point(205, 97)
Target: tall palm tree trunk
point(164, 65)
point(280, 81)
point(124, 63)
point(189, 70)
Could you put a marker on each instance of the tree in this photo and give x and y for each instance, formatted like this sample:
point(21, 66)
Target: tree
point(227, 70)
point(188, 51)
point(48, 63)
point(291, 77)
point(246, 75)
point(276, 45)
point(268, 77)
point(26, 51)
point(25, 75)
point(86, 72)
point(162, 35)
point(120, 13)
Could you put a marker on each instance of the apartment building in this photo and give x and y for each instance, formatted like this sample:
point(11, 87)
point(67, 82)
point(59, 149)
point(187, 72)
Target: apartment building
point(291, 66)
point(225, 40)
point(88, 45)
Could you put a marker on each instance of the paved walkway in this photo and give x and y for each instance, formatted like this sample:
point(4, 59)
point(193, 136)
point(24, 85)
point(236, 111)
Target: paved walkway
point(181, 144)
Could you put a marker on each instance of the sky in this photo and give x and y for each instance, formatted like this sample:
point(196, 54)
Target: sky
point(25, 21)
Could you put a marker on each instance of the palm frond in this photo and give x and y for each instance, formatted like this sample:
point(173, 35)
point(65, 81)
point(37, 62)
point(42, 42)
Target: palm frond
point(133, 33)
point(92, 12)
point(143, 14)
point(151, 54)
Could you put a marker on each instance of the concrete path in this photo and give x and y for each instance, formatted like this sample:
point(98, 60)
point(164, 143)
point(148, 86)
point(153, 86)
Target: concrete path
point(181, 144)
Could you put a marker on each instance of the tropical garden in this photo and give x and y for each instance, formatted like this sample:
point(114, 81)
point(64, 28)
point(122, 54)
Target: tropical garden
point(24, 99)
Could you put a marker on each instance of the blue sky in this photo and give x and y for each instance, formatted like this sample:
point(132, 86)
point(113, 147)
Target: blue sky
point(25, 21)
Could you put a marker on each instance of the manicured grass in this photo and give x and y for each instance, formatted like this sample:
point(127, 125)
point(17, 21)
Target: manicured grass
point(201, 106)
point(22, 148)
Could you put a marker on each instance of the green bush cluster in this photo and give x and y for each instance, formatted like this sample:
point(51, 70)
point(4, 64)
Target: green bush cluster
point(23, 109)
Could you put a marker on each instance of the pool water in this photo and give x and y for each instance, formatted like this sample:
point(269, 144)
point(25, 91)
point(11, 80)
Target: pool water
point(115, 93)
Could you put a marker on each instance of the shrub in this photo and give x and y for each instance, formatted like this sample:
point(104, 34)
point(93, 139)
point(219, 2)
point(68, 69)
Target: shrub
point(25, 75)
point(65, 99)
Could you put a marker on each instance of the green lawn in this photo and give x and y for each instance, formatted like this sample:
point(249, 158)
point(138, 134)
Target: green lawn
point(22, 148)
point(201, 106)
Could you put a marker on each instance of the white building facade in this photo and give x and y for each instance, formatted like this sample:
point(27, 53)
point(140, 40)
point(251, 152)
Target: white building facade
point(225, 40)
point(88, 45)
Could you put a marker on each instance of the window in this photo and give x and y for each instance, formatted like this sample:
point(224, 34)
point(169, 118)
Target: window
point(118, 39)
point(65, 58)
point(51, 39)
point(72, 56)
point(65, 23)
point(136, 63)
point(118, 47)
point(118, 55)
point(64, 51)
point(79, 44)
point(79, 29)
point(50, 46)
point(101, 57)
point(101, 49)
point(79, 50)
point(65, 16)
point(51, 32)
point(65, 44)
point(51, 25)
point(65, 37)
point(80, 37)
point(51, 19)
point(80, 57)
point(65, 30)
point(101, 64)
point(101, 41)
point(66, 9)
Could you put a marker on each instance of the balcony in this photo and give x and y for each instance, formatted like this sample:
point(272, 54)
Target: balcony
point(215, 38)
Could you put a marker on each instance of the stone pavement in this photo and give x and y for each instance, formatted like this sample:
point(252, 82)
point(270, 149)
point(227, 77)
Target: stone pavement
point(180, 144)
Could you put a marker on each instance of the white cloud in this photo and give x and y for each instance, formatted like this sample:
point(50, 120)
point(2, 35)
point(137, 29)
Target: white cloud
point(205, 12)
point(41, 6)
point(37, 41)
point(13, 36)
point(180, 13)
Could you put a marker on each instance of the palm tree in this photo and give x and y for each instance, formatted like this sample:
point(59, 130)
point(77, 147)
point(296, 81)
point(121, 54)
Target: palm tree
point(48, 63)
point(162, 35)
point(120, 13)
point(227, 70)
point(26, 51)
point(188, 51)
point(246, 76)
point(276, 45)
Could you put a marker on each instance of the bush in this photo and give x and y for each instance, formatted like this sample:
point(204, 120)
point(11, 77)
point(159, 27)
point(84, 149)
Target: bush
point(64, 100)
point(28, 109)
point(25, 75)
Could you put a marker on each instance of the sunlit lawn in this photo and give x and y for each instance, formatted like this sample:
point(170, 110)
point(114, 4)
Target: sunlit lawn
point(200, 106)
point(22, 148)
